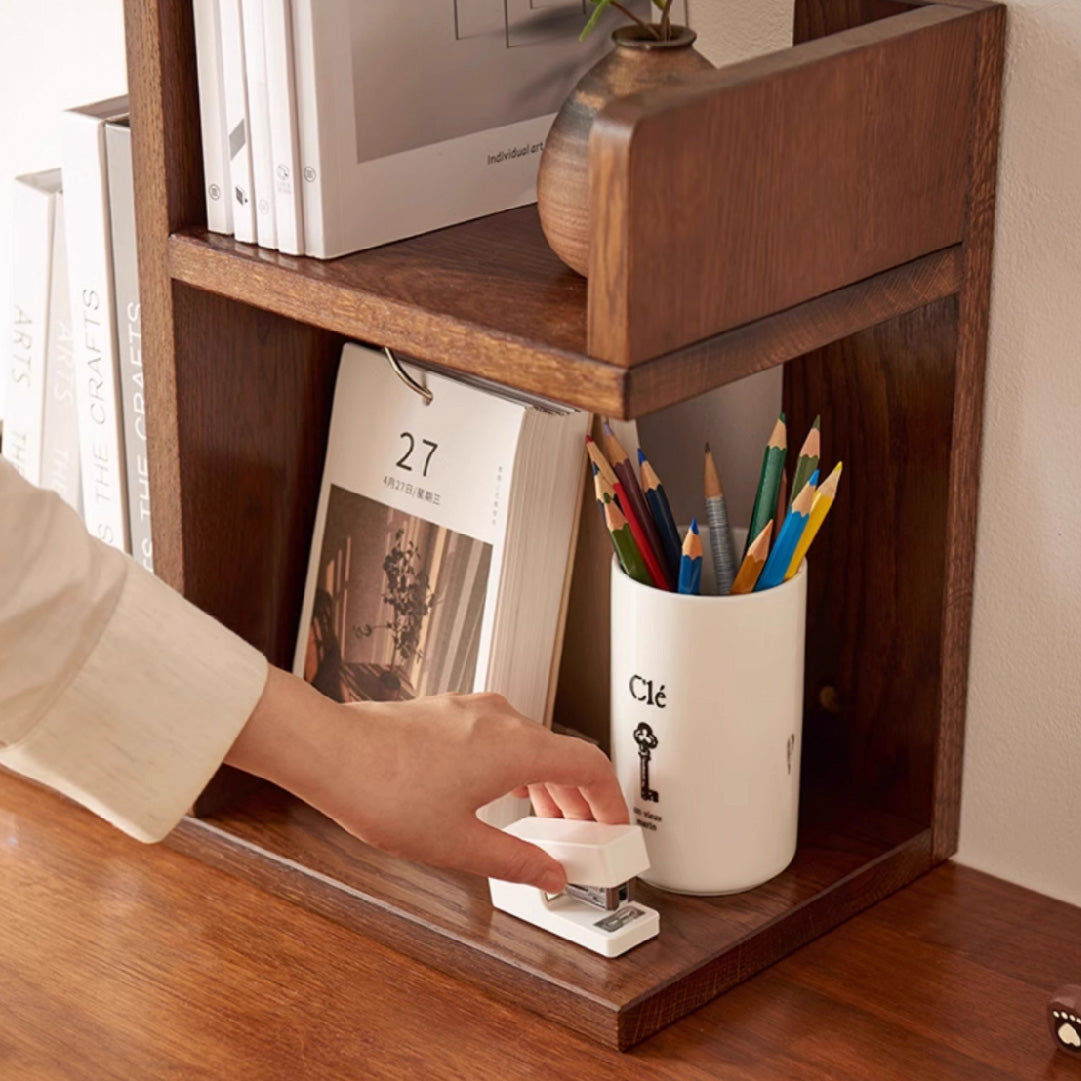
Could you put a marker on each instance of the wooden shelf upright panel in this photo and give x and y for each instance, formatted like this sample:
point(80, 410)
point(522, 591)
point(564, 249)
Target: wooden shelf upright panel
point(828, 208)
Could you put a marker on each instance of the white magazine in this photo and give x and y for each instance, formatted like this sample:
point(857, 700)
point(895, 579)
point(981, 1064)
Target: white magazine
point(60, 440)
point(237, 124)
point(417, 114)
point(219, 204)
point(442, 542)
point(129, 337)
point(284, 144)
point(31, 261)
point(262, 163)
point(90, 271)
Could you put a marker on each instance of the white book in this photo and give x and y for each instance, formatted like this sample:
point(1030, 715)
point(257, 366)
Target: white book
point(208, 61)
point(443, 540)
point(129, 336)
point(262, 157)
point(416, 115)
point(90, 270)
point(237, 126)
point(31, 262)
point(284, 138)
point(60, 439)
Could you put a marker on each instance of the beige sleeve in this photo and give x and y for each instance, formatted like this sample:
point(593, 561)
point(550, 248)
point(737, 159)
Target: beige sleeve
point(113, 689)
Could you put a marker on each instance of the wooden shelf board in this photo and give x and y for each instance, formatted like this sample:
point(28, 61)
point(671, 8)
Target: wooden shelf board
point(488, 297)
point(444, 919)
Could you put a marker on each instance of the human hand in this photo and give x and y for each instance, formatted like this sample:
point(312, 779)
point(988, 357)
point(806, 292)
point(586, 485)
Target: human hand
point(409, 777)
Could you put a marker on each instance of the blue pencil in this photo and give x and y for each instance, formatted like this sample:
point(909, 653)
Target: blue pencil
point(690, 563)
point(662, 513)
point(777, 564)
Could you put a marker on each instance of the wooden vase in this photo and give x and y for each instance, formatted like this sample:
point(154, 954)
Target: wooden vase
point(637, 62)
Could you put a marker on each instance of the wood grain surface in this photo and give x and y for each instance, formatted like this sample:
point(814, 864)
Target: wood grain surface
point(848, 857)
point(778, 179)
point(840, 224)
point(121, 961)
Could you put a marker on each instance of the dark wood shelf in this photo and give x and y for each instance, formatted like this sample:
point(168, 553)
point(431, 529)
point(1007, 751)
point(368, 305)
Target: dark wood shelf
point(489, 298)
point(849, 856)
point(828, 208)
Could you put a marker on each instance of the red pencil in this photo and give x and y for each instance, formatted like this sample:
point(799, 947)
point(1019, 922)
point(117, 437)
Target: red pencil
point(633, 498)
point(656, 572)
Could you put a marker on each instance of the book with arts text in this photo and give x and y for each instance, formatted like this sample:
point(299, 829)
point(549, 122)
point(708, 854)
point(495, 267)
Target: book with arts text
point(443, 542)
point(31, 263)
point(129, 336)
point(96, 356)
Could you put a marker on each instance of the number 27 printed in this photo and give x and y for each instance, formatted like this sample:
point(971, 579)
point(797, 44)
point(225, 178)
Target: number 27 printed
point(403, 461)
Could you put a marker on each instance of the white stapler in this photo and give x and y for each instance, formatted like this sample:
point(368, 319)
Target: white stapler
point(595, 909)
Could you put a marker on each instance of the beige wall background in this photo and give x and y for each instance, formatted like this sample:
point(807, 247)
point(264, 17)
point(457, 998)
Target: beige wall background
point(1022, 794)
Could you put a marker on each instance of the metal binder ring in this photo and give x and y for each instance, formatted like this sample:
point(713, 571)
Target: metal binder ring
point(406, 378)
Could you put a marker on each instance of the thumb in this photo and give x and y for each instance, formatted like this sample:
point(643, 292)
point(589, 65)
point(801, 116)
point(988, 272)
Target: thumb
point(499, 855)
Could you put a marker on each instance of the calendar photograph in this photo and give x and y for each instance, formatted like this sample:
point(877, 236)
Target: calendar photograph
point(398, 604)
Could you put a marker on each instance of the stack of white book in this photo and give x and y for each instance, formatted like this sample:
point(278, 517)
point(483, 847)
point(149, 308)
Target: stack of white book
point(335, 125)
point(75, 416)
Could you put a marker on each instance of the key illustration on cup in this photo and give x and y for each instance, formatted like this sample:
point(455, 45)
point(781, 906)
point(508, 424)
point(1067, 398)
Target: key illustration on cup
point(647, 741)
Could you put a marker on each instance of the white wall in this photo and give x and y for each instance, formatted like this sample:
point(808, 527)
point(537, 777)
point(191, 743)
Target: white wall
point(53, 54)
point(1022, 794)
point(1022, 774)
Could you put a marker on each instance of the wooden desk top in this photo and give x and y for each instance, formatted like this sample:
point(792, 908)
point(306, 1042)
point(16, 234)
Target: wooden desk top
point(119, 961)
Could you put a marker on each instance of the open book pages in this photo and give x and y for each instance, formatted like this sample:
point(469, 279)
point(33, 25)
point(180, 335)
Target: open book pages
point(443, 539)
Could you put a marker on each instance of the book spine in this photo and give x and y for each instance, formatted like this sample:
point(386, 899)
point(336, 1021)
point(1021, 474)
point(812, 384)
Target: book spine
point(90, 272)
point(219, 205)
point(308, 128)
point(60, 439)
point(31, 259)
point(234, 85)
point(284, 138)
point(129, 335)
point(262, 158)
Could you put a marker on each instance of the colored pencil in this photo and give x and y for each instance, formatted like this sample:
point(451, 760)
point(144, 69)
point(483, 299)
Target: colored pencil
point(605, 495)
point(754, 561)
point(621, 463)
point(807, 462)
point(596, 456)
point(661, 510)
point(720, 536)
point(819, 509)
point(774, 571)
point(656, 573)
point(604, 491)
point(690, 563)
point(765, 500)
point(629, 556)
point(781, 510)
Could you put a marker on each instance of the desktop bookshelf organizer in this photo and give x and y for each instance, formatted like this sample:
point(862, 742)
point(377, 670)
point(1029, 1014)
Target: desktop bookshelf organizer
point(829, 207)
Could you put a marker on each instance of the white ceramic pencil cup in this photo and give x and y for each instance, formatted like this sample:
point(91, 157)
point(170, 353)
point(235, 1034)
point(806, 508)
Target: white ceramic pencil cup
point(706, 724)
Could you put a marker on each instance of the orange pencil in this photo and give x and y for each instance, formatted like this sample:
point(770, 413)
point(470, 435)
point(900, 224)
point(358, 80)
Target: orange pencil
point(753, 561)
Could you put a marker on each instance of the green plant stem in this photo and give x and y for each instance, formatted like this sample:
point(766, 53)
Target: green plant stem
point(648, 27)
point(666, 21)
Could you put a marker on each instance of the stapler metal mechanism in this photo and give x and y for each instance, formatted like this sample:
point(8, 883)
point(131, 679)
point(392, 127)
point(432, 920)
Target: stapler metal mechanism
point(595, 910)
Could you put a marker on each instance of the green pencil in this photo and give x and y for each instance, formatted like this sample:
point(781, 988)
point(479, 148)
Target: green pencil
point(626, 549)
point(807, 462)
point(765, 500)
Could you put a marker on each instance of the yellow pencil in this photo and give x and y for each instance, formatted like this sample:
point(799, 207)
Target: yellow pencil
point(604, 492)
point(754, 560)
point(819, 509)
point(596, 456)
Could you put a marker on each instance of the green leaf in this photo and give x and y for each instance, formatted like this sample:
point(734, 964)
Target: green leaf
point(598, 11)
